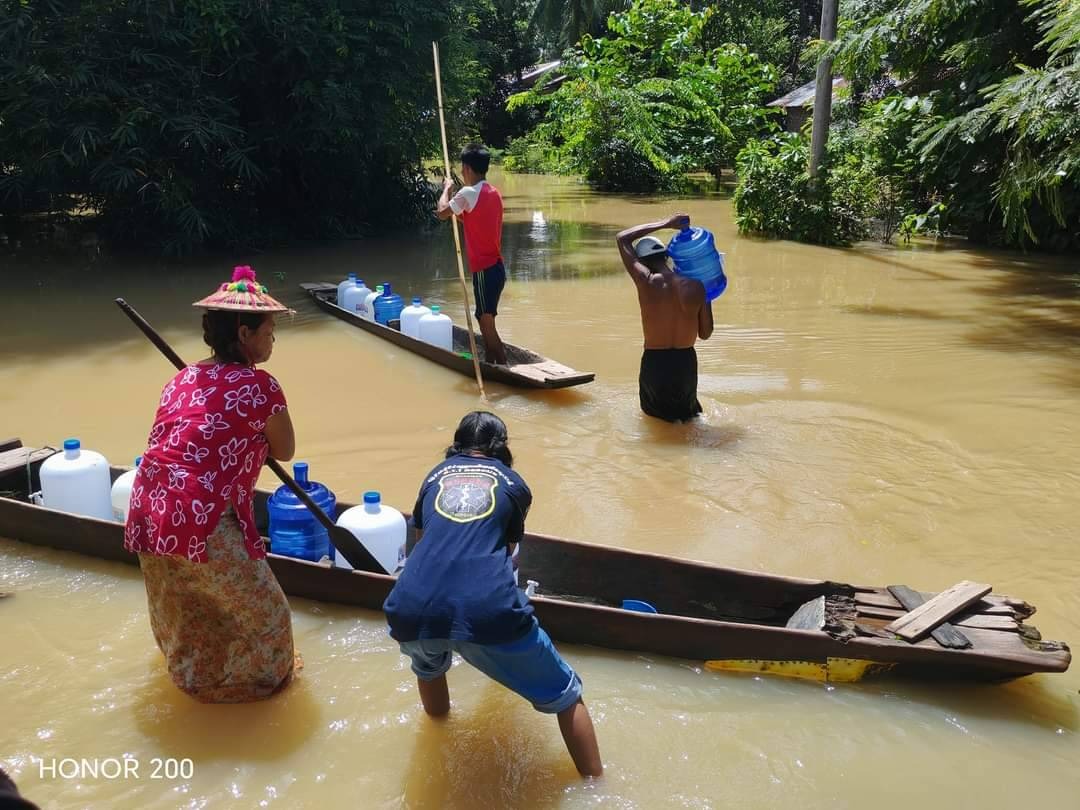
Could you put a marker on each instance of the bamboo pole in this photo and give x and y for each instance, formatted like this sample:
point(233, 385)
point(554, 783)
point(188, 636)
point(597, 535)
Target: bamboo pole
point(454, 226)
point(823, 91)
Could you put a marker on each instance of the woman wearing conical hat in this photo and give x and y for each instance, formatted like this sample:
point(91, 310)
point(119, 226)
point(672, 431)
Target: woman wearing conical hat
point(216, 610)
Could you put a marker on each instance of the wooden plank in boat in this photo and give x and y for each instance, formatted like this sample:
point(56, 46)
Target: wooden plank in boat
point(981, 620)
point(945, 634)
point(993, 604)
point(19, 457)
point(916, 623)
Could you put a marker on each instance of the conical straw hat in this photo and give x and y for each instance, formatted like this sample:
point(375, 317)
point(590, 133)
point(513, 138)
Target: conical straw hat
point(243, 294)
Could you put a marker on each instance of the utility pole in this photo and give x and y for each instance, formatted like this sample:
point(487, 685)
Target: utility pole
point(823, 91)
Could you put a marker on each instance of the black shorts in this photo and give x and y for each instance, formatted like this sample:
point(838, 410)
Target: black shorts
point(667, 384)
point(487, 288)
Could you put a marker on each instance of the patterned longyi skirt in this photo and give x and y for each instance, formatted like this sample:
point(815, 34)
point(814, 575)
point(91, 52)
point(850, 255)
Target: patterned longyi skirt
point(223, 625)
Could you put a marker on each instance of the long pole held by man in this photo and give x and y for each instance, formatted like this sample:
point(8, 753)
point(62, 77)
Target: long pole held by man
point(457, 239)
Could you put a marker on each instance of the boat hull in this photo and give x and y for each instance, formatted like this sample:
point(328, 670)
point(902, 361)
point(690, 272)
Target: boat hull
point(526, 370)
point(730, 618)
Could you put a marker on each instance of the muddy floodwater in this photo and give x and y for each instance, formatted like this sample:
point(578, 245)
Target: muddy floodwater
point(873, 415)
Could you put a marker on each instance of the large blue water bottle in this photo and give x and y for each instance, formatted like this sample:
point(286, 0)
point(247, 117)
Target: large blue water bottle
point(294, 531)
point(694, 252)
point(388, 306)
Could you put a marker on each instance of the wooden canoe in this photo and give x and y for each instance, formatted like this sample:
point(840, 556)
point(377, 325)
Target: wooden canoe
point(731, 619)
point(527, 369)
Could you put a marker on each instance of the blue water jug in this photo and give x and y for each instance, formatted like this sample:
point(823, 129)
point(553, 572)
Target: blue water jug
point(694, 253)
point(294, 531)
point(388, 306)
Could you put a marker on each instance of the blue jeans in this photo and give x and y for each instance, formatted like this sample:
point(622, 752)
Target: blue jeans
point(530, 666)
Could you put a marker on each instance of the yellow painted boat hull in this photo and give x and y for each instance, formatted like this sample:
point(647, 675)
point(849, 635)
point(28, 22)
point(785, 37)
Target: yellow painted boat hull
point(832, 670)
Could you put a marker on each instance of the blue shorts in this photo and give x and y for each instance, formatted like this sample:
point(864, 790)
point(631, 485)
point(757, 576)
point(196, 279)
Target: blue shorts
point(487, 287)
point(530, 666)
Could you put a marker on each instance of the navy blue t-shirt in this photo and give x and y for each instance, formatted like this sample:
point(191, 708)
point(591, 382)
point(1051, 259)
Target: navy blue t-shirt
point(458, 583)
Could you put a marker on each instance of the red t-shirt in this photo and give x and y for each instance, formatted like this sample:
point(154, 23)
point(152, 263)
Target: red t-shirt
point(481, 210)
point(204, 454)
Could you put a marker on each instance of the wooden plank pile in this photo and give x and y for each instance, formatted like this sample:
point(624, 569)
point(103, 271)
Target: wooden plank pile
point(948, 618)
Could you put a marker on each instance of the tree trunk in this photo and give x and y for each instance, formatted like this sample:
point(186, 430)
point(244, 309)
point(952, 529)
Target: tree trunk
point(823, 91)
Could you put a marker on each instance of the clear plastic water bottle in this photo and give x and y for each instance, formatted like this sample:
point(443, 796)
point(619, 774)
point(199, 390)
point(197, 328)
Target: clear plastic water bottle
point(350, 281)
point(295, 531)
point(369, 305)
point(693, 251)
point(388, 306)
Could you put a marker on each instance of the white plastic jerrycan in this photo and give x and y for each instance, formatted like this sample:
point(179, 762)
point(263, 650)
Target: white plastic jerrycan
point(77, 481)
point(410, 318)
point(437, 329)
point(379, 528)
point(356, 299)
point(121, 493)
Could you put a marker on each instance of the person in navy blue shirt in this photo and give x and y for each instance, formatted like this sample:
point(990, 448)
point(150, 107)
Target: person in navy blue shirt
point(457, 592)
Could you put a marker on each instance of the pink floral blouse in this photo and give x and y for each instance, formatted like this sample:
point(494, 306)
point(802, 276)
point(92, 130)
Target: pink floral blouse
point(205, 451)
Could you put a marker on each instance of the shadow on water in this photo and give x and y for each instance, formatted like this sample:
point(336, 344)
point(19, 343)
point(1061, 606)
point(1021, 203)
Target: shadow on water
point(1032, 306)
point(263, 731)
point(499, 753)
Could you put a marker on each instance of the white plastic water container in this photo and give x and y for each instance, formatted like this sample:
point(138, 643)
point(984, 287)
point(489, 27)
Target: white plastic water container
point(356, 299)
point(77, 481)
point(350, 281)
point(121, 493)
point(369, 303)
point(379, 528)
point(410, 318)
point(437, 329)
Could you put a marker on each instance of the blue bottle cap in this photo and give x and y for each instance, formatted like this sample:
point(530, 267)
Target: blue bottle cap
point(72, 444)
point(138, 460)
point(372, 497)
point(300, 471)
point(386, 288)
point(352, 275)
point(416, 301)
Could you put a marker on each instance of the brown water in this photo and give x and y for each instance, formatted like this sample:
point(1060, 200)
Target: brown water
point(874, 415)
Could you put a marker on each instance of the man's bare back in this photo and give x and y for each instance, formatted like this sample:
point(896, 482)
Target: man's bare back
point(670, 311)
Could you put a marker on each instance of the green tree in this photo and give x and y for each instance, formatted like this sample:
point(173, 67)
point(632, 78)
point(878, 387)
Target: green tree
point(647, 103)
point(995, 144)
point(562, 23)
point(220, 122)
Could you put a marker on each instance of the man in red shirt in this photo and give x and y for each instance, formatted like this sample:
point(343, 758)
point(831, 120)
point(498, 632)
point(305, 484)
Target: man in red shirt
point(480, 207)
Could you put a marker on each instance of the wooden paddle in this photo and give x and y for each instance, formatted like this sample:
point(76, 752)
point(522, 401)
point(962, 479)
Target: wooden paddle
point(344, 541)
point(453, 224)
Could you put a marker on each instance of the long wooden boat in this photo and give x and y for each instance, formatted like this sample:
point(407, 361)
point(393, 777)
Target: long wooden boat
point(527, 369)
point(731, 619)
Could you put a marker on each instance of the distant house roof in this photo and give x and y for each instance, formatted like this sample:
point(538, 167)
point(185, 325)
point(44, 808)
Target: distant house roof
point(531, 76)
point(804, 96)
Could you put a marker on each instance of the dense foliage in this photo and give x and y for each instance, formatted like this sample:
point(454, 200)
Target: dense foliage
point(997, 81)
point(776, 197)
point(647, 103)
point(226, 121)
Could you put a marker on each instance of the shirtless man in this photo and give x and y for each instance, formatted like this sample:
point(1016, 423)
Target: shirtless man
point(674, 314)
